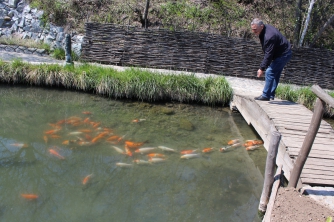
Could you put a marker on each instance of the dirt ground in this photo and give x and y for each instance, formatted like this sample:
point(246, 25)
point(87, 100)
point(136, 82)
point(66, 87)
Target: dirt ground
point(291, 206)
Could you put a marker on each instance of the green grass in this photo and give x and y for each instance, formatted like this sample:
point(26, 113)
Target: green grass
point(131, 84)
point(302, 95)
point(30, 43)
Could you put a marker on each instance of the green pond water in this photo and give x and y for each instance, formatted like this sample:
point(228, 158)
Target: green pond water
point(216, 186)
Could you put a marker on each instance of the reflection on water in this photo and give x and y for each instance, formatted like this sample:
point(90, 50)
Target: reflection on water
point(46, 149)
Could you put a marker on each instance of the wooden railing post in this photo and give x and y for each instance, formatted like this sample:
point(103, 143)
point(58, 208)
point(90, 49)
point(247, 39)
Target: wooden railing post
point(270, 170)
point(319, 109)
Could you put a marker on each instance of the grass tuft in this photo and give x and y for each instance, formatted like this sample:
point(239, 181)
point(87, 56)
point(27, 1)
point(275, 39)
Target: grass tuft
point(131, 84)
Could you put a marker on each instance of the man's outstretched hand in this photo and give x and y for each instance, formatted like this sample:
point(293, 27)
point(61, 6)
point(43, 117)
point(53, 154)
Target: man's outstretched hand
point(259, 73)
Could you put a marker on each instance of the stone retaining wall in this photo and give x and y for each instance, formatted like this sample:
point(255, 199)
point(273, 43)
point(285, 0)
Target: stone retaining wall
point(23, 49)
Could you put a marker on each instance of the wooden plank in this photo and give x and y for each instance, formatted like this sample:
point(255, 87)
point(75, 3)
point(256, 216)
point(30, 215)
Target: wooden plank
point(314, 155)
point(316, 176)
point(317, 167)
point(327, 153)
point(295, 133)
point(318, 172)
point(318, 181)
point(325, 142)
point(320, 161)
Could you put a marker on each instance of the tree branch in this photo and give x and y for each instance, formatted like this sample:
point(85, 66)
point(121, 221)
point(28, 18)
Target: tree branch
point(330, 20)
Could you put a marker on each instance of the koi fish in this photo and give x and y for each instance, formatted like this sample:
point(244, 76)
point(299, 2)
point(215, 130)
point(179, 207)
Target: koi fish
point(155, 155)
point(87, 120)
point(75, 133)
point(120, 138)
point(254, 142)
point(188, 151)
point(133, 145)
point(252, 147)
point(84, 143)
point(207, 150)
point(137, 161)
point(85, 130)
point(144, 150)
point(86, 179)
point(86, 113)
point(124, 164)
point(190, 156)
point(113, 138)
point(97, 138)
point(29, 196)
point(45, 138)
point(119, 150)
point(20, 145)
point(95, 125)
point(127, 151)
point(51, 131)
point(55, 153)
point(231, 142)
point(103, 134)
point(138, 120)
point(228, 147)
point(164, 148)
point(156, 160)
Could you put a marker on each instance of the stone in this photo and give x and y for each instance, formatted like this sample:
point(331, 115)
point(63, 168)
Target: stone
point(12, 3)
point(186, 125)
point(41, 51)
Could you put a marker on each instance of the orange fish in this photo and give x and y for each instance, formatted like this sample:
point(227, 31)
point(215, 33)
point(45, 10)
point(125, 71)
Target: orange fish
point(188, 151)
point(45, 139)
point(55, 153)
point(51, 131)
point(133, 145)
point(85, 130)
point(87, 120)
point(29, 196)
point(95, 125)
point(97, 138)
point(231, 142)
point(103, 134)
point(87, 112)
point(138, 120)
point(155, 155)
point(112, 138)
point(127, 151)
point(65, 142)
point(86, 179)
point(207, 150)
point(252, 147)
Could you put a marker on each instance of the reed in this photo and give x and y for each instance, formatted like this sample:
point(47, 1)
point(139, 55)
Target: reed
point(132, 83)
point(302, 95)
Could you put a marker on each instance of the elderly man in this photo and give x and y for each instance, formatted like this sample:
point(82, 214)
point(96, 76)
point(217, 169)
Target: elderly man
point(277, 53)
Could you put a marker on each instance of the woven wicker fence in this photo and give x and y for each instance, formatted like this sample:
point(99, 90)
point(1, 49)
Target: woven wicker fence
point(199, 52)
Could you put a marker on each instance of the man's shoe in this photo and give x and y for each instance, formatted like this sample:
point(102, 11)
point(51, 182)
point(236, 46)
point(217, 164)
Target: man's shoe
point(261, 98)
point(272, 99)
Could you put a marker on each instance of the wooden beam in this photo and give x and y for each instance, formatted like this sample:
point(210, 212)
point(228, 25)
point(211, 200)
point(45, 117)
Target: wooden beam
point(323, 95)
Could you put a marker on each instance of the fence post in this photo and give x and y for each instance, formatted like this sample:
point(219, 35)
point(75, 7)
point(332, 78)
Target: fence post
point(319, 109)
point(270, 170)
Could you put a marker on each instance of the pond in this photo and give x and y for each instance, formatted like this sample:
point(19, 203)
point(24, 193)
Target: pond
point(63, 158)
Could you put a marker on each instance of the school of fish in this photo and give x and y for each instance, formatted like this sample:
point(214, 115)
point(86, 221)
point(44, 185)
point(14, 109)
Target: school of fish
point(76, 131)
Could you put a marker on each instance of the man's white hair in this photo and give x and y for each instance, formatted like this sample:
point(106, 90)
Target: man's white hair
point(257, 22)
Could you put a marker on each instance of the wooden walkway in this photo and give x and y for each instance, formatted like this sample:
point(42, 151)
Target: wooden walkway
point(292, 121)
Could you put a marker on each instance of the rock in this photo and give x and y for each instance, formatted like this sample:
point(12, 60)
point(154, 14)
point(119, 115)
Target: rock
point(167, 111)
point(186, 125)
